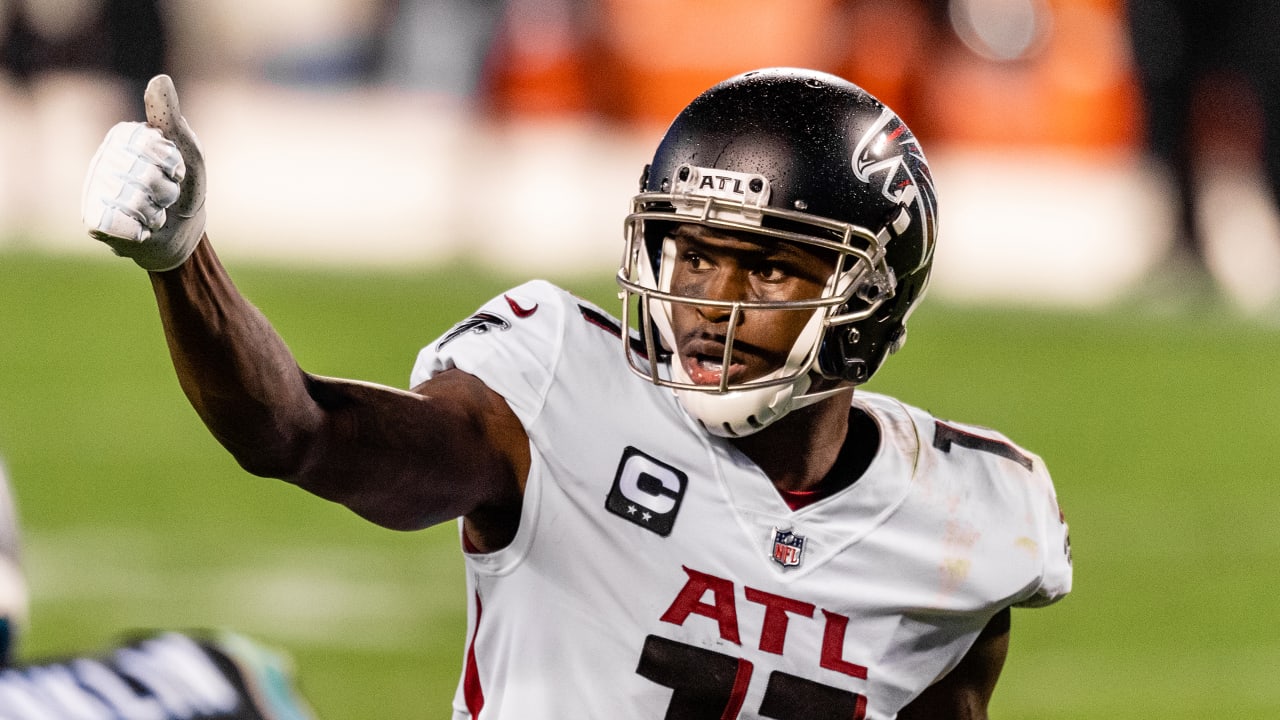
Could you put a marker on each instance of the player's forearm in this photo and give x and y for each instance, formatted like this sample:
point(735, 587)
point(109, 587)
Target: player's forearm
point(235, 369)
point(391, 456)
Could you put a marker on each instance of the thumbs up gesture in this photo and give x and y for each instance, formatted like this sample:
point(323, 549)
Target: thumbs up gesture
point(144, 192)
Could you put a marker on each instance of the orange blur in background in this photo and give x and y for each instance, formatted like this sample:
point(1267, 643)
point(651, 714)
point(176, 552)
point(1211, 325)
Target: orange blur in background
point(1070, 86)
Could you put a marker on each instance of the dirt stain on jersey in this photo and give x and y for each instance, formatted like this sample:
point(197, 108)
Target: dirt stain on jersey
point(1031, 546)
point(954, 572)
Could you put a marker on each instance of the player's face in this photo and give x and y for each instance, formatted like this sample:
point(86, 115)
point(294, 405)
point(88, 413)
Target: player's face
point(737, 266)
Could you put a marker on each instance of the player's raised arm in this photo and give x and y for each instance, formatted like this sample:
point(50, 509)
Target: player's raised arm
point(394, 457)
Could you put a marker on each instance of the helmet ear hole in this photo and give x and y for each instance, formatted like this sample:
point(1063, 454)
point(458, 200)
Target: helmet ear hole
point(877, 286)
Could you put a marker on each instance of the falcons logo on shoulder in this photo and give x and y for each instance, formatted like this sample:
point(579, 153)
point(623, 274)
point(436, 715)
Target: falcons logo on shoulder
point(479, 323)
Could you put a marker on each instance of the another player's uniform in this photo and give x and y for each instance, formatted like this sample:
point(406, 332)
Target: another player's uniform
point(13, 582)
point(658, 573)
point(159, 676)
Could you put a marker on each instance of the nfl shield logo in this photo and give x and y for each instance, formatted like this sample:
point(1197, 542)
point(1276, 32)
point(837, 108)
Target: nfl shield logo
point(787, 547)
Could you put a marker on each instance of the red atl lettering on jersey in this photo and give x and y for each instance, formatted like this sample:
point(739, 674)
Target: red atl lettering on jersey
point(722, 608)
point(833, 647)
point(778, 611)
point(773, 635)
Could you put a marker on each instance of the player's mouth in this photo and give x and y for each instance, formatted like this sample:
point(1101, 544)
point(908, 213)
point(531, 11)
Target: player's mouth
point(709, 369)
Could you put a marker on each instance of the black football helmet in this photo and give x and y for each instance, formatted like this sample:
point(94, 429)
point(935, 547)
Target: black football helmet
point(800, 156)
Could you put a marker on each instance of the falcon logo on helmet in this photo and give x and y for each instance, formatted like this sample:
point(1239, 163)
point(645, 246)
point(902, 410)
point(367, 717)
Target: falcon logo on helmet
point(885, 148)
point(871, 157)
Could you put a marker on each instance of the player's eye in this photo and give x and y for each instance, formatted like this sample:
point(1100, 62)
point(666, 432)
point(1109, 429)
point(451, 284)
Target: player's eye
point(772, 272)
point(694, 260)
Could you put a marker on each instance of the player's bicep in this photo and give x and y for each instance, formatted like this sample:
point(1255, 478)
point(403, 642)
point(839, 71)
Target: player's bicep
point(966, 691)
point(486, 423)
point(408, 460)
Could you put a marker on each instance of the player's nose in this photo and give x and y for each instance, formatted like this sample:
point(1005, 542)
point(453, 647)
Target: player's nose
point(720, 314)
point(725, 286)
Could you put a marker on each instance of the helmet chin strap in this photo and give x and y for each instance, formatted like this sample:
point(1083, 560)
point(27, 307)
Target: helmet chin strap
point(735, 413)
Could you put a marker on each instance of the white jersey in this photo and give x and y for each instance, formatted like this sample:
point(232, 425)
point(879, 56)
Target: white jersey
point(657, 573)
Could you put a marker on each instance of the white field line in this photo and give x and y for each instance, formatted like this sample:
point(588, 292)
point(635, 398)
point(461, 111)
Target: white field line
point(337, 596)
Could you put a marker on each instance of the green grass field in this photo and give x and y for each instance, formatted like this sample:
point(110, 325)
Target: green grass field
point(1161, 431)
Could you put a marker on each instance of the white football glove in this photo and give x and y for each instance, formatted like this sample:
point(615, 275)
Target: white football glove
point(144, 194)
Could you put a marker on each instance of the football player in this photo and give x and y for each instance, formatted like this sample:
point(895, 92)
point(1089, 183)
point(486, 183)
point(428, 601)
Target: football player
point(163, 675)
point(14, 597)
point(687, 512)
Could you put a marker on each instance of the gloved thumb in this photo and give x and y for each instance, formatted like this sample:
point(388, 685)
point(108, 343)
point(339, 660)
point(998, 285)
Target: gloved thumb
point(164, 114)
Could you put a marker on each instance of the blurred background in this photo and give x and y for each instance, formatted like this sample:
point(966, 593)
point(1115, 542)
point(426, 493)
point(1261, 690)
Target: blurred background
point(448, 127)
point(1106, 291)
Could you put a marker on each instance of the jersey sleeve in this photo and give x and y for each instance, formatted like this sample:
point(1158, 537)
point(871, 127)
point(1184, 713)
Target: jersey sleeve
point(512, 344)
point(1056, 575)
point(1022, 503)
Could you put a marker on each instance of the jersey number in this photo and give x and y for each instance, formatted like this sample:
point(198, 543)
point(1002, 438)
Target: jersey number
point(944, 436)
point(707, 685)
